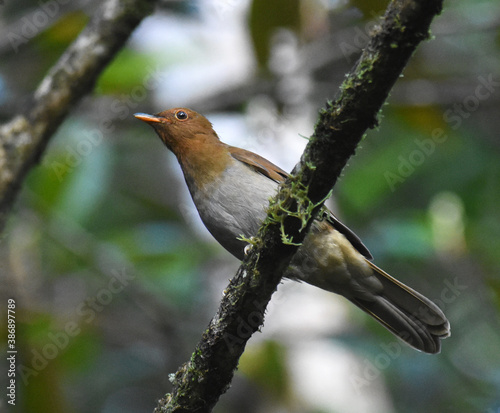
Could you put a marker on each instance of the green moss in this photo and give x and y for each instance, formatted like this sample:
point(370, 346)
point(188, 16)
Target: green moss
point(311, 166)
point(397, 24)
point(365, 67)
point(252, 241)
point(297, 194)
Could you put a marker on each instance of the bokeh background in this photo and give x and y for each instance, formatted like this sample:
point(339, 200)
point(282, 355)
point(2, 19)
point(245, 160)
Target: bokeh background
point(115, 278)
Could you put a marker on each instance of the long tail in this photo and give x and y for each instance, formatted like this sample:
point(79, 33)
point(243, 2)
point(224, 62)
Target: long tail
point(407, 313)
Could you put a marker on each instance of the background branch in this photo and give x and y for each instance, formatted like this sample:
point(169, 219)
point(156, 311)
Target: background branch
point(23, 139)
point(199, 383)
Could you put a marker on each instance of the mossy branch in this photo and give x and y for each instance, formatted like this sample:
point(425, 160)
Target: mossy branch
point(198, 384)
point(24, 138)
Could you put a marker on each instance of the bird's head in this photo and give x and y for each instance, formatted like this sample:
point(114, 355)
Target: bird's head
point(180, 128)
point(191, 138)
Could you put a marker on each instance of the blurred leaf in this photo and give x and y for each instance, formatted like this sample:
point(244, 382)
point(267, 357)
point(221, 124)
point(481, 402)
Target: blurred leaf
point(46, 188)
point(84, 348)
point(396, 158)
point(267, 16)
point(44, 393)
point(421, 119)
point(36, 328)
point(150, 239)
point(75, 173)
point(370, 8)
point(266, 365)
point(402, 238)
point(176, 275)
point(364, 183)
point(38, 368)
point(165, 256)
point(127, 71)
point(52, 42)
point(89, 184)
point(64, 31)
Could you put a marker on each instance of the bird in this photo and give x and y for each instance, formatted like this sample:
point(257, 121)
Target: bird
point(231, 188)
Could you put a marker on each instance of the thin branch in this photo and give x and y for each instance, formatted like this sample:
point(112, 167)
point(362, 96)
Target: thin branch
point(23, 139)
point(199, 383)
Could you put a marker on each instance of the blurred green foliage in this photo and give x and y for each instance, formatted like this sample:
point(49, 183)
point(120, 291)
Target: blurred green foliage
point(265, 18)
point(125, 72)
point(106, 263)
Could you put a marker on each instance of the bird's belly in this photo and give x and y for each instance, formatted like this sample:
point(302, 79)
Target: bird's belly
point(235, 211)
point(328, 260)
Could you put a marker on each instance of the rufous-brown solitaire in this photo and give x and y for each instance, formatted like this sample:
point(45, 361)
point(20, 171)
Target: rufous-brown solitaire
point(231, 188)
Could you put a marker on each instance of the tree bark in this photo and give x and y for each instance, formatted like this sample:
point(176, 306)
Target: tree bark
point(24, 138)
point(198, 384)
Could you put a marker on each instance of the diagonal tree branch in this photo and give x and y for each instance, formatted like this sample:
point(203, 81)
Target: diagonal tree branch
point(198, 384)
point(23, 139)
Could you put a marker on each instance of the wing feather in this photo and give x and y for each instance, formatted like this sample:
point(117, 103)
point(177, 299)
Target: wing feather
point(270, 170)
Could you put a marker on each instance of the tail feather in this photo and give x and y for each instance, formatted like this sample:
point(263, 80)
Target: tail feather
point(399, 323)
point(414, 302)
point(406, 313)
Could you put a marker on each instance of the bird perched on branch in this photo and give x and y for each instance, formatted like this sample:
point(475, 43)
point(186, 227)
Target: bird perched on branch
point(231, 188)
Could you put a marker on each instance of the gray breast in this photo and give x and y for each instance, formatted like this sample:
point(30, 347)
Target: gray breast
point(236, 210)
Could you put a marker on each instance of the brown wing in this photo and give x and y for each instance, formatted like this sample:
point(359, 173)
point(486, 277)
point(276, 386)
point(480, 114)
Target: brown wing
point(349, 234)
point(260, 164)
point(266, 168)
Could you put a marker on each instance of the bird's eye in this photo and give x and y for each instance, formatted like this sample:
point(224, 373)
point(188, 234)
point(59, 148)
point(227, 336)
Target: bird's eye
point(181, 115)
